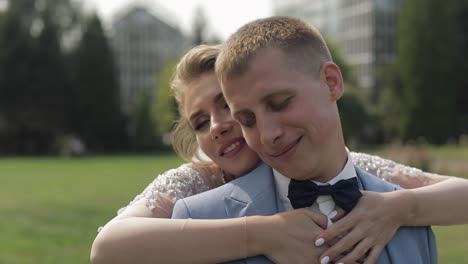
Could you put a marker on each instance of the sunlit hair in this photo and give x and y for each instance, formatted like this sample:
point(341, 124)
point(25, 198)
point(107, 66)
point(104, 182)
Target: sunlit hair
point(200, 59)
point(302, 44)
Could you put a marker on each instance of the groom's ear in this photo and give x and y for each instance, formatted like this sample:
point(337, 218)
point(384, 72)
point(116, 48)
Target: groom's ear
point(331, 76)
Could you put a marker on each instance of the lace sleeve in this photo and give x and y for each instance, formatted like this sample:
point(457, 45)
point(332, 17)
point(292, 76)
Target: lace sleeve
point(389, 170)
point(171, 186)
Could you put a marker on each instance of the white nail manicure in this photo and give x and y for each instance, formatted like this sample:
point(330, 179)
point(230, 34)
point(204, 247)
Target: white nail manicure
point(333, 214)
point(325, 260)
point(319, 242)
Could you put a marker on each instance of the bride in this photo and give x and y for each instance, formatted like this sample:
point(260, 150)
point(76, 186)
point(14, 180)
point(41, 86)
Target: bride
point(143, 233)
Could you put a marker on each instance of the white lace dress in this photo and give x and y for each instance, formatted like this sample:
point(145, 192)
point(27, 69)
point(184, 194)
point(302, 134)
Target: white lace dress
point(185, 181)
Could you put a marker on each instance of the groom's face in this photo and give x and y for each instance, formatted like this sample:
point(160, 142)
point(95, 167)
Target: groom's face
point(288, 116)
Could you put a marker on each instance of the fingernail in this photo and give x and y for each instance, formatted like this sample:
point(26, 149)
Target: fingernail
point(319, 242)
point(340, 263)
point(325, 260)
point(333, 214)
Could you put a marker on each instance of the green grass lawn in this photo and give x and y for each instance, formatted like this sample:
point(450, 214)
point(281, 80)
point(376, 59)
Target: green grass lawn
point(50, 208)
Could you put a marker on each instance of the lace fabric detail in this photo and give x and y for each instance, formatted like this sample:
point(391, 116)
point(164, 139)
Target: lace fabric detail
point(177, 183)
point(185, 181)
point(383, 168)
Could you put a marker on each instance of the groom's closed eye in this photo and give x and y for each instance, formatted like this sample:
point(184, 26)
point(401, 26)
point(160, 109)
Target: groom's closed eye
point(278, 104)
point(245, 118)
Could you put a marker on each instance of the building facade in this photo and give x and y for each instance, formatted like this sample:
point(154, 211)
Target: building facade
point(365, 30)
point(143, 45)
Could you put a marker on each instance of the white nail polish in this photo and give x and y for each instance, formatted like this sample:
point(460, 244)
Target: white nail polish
point(325, 260)
point(340, 263)
point(319, 242)
point(333, 214)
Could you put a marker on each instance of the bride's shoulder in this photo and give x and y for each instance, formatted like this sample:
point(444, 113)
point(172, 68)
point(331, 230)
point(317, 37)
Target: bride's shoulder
point(174, 184)
point(383, 168)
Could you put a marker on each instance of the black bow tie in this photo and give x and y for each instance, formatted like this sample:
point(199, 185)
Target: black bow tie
point(345, 193)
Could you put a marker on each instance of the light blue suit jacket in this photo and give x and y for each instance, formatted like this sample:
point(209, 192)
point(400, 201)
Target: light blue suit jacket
point(255, 194)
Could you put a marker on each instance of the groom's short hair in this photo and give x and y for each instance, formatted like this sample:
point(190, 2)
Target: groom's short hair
point(301, 42)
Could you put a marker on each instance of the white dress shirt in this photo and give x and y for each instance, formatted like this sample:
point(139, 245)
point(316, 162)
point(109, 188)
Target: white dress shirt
point(324, 203)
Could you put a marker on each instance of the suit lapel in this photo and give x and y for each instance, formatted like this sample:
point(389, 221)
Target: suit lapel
point(252, 194)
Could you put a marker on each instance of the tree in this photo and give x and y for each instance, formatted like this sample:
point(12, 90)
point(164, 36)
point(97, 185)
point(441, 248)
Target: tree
point(462, 91)
point(98, 118)
point(164, 109)
point(355, 118)
point(143, 130)
point(35, 88)
point(428, 49)
point(199, 26)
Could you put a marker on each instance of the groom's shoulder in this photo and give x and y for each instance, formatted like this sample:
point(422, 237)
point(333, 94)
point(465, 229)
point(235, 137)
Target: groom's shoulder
point(207, 202)
point(373, 183)
point(252, 182)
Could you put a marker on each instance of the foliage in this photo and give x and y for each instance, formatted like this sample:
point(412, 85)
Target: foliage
point(390, 109)
point(143, 134)
point(35, 86)
point(52, 85)
point(164, 109)
point(429, 47)
point(462, 87)
point(98, 120)
point(357, 122)
point(199, 26)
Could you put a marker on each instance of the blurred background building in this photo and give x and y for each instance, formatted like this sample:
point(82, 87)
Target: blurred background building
point(366, 31)
point(144, 42)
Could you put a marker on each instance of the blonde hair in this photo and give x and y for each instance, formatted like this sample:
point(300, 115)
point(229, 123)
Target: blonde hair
point(299, 40)
point(200, 59)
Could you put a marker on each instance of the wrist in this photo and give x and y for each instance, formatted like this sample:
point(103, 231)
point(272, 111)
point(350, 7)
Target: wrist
point(258, 235)
point(405, 202)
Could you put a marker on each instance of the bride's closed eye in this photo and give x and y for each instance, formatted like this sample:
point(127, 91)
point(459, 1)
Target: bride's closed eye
point(199, 126)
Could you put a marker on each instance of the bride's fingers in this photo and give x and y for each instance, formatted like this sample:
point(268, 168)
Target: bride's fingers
point(338, 229)
point(319, 219)
point(339, 214)
point(349, 242)
point(358, 253)
point(374, 254)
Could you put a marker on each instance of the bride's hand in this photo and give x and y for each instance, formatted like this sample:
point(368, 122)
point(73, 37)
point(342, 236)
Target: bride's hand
point(287, 237)
point(366, 230)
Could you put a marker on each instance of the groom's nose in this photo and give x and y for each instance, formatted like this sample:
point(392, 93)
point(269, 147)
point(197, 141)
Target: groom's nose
point(269, 130)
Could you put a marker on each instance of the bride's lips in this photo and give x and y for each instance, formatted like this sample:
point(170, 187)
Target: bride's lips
point(287, 150)
point(231, 148)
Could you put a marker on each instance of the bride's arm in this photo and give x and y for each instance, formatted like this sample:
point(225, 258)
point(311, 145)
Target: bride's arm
point(434, 200)
point(141, 234)
point(430, 199)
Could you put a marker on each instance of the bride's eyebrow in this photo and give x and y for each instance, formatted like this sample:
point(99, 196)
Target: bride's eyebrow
point(195, 115)
point(218, 98)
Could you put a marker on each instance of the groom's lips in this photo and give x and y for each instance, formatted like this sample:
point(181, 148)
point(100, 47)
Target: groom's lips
point(288, 150)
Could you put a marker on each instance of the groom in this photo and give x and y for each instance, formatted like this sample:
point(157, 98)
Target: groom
point(281, 85)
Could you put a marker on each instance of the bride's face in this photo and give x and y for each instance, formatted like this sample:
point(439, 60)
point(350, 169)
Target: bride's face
point(218, 135)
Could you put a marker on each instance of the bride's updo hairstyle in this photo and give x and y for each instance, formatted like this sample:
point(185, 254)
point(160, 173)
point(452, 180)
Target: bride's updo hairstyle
point(200, 59)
